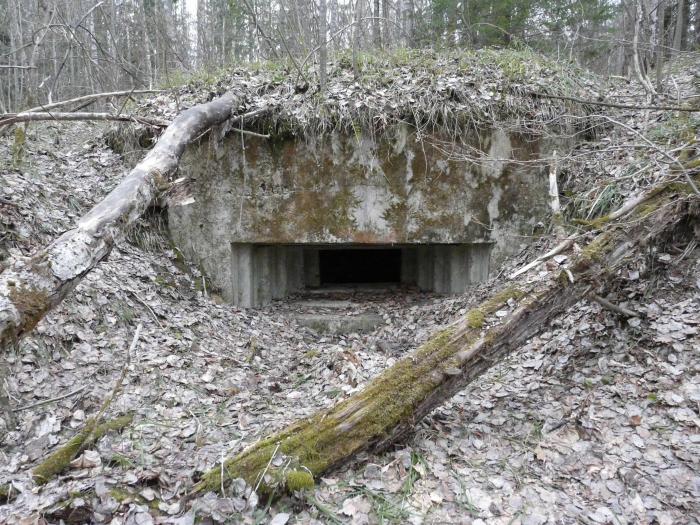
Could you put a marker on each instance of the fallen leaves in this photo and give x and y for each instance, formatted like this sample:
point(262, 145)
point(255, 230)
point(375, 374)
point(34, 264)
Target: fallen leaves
point(88, 459)
point(592, 418)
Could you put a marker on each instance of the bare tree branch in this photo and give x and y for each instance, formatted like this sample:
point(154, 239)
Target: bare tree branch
point(13, 118)
point(615, 104)
point(91, 98)
point(14, 66)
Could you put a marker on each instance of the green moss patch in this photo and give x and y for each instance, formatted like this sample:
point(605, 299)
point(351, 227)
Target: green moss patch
point(475, 318)
point(60, 459)
point(299, 480)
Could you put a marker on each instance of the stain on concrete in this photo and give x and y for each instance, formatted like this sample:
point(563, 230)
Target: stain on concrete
point(403, 187)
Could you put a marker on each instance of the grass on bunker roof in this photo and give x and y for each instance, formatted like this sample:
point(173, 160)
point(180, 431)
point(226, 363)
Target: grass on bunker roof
point(434, 91)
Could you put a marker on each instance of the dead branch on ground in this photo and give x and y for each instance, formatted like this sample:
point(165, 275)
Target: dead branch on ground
point(94, 429)
point(389, 407)
point(90, 98)
point(30, 287)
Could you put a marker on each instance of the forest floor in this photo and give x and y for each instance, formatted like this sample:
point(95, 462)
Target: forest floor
point(596, 420)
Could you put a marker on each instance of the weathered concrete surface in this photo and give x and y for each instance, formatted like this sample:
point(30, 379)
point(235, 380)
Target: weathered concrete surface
point(340, 189)
point(260, 273)
point(339, 324)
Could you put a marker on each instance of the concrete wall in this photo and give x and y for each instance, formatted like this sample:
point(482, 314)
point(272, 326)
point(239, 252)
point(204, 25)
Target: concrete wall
point(259, 274)
point(338, 189)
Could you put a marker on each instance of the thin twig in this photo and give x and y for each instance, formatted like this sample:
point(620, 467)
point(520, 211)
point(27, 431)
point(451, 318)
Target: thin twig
point(565, 245)
point(613, 307)
point(671, 159)
point(238, 119)
point(120, 381)
point(291, 56)
point(223, 459)
point(252, 133)
point(126, 99)
point(253, 14)
point(615, 105)
point(12, 118)
point(262, 475)
point(52, 400)
point(146, 305)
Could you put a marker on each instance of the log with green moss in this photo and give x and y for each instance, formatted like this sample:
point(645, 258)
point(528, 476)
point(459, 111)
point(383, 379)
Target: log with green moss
point(389, 407)
point(59, 460)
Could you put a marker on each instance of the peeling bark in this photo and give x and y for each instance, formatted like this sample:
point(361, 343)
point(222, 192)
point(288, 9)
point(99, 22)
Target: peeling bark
point(389, 407)
point(32, 286)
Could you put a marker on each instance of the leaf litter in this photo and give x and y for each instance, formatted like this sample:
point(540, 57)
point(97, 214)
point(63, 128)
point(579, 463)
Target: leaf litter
point(595, 420)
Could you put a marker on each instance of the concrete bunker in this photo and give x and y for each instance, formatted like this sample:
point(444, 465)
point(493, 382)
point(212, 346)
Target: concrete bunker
point(264, 219)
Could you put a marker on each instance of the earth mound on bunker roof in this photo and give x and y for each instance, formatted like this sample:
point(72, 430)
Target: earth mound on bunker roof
point(447, 92)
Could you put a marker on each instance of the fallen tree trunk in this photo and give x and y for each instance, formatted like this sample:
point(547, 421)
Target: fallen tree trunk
point(389, 407)
point(31, 287)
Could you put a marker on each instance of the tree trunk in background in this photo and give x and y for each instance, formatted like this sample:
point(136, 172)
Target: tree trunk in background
point(660, 48)
point(355, 40)
point(323, 48)
point(123, 44)
point(681, 22)
point(31, 287)
point(466, 21)
point(385, 23)
point(148, 47)
point(33, 77)
point(697, 24)
point(640, 63)
point(686, 24)
point(391, 405)
point(376, 35)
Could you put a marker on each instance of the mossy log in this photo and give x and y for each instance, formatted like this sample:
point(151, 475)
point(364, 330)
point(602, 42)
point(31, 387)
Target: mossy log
point(30, 287)
point(59, 460)
point(389, 407)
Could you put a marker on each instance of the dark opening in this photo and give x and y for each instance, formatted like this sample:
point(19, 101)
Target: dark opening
point(360, 266)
